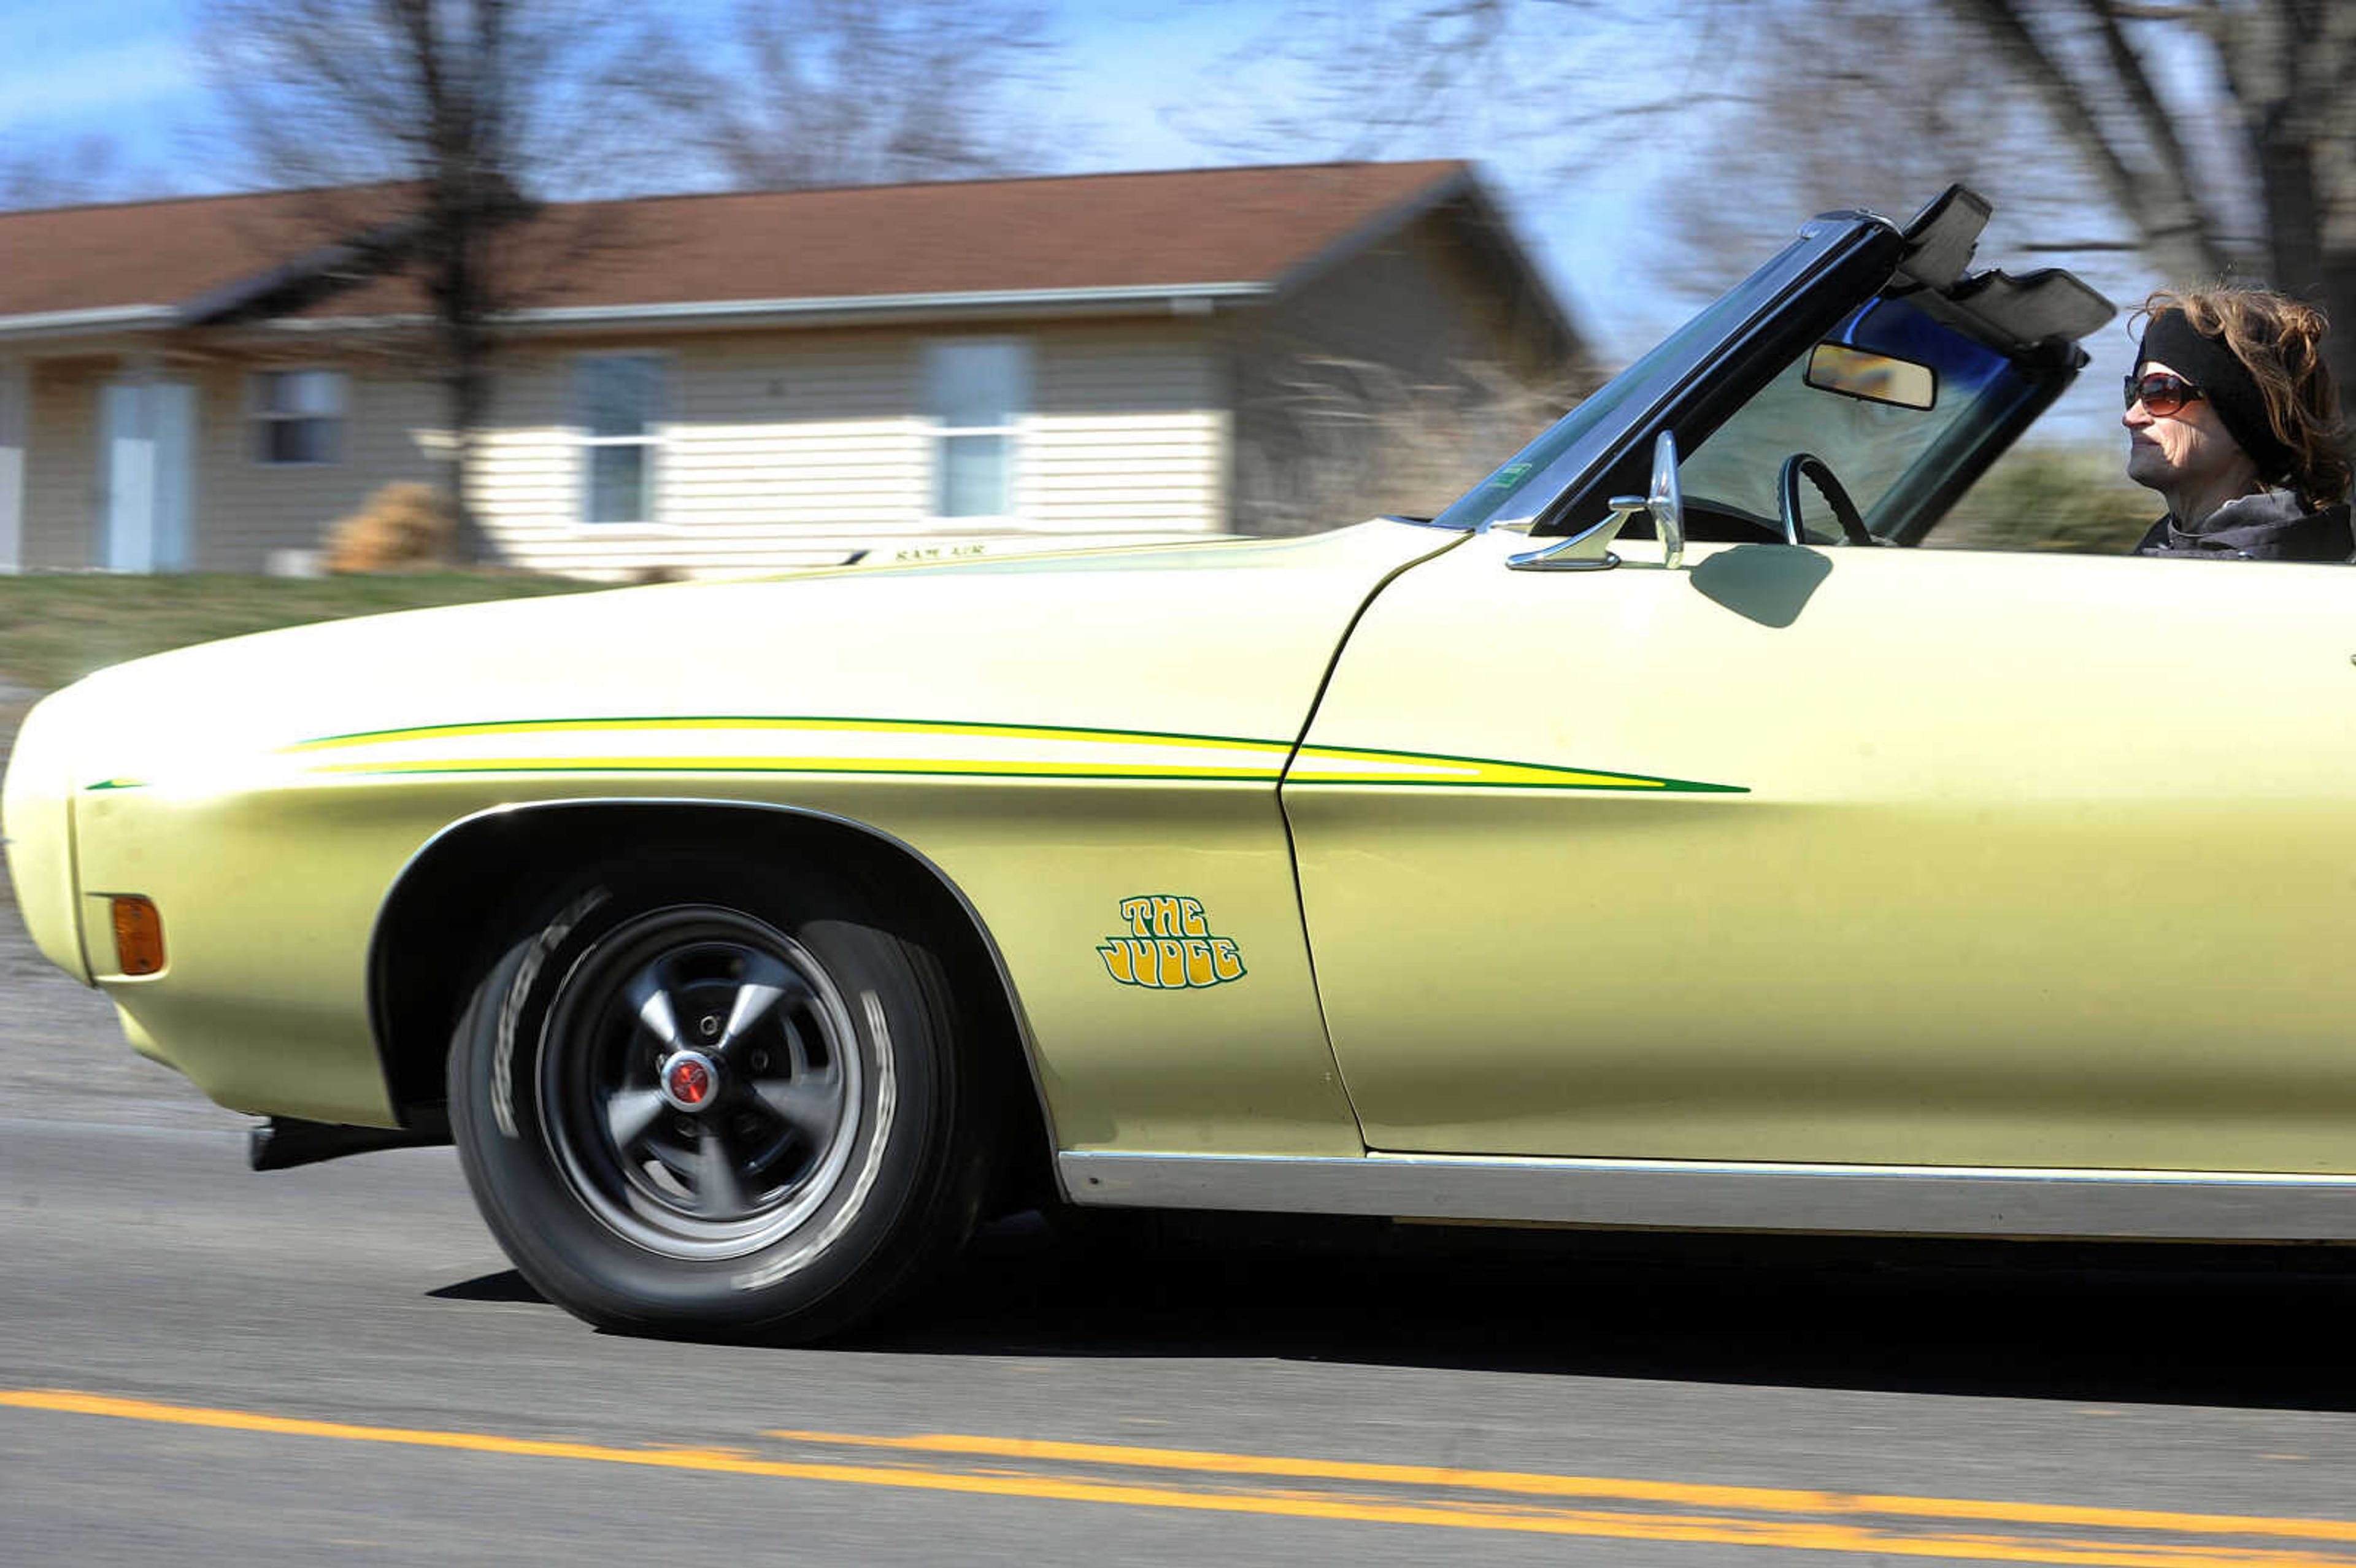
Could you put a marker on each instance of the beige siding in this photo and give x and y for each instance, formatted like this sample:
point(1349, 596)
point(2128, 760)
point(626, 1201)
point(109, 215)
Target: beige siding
point(246, 509)
point(777, 450)
point(789, 449)
point(241, 511)
point(771, 453)
point(61, 465)
point(1129, 431)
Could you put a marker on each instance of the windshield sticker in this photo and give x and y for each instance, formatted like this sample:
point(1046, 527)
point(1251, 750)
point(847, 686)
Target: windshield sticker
point(1169, 946)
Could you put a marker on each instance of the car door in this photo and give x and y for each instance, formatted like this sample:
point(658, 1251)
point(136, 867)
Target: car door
point(1842, 854)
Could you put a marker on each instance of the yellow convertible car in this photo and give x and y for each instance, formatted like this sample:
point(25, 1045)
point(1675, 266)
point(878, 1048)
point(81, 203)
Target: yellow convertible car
point(1639, 843)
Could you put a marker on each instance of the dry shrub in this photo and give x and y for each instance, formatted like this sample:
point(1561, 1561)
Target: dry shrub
point(401, 527)
point(1333, 440)
point(2076, 499)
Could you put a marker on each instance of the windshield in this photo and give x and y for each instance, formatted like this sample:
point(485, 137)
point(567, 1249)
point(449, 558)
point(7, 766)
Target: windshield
point(1888, 457)
point(1942, 372)
point(1523, 487)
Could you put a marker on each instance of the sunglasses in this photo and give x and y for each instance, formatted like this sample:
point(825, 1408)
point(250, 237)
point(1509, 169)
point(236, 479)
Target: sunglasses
point(2161, 393)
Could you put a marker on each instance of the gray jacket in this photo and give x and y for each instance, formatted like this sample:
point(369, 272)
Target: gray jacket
point(2277, 525)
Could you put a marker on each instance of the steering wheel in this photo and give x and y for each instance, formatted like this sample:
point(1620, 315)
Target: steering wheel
point(1787, 499)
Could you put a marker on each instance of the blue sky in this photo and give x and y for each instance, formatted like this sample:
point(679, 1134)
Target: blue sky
point(128, 69)
point(118, 66)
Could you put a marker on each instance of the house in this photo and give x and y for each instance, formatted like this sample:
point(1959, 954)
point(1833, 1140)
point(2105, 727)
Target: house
point(744, 380)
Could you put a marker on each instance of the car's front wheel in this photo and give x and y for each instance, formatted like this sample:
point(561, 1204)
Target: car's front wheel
point(691, 1102)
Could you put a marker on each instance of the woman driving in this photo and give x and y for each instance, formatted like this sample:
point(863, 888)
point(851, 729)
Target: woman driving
point(2232, 416)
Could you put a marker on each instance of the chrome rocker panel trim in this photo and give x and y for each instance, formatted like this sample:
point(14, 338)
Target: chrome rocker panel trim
point(1702, 1195)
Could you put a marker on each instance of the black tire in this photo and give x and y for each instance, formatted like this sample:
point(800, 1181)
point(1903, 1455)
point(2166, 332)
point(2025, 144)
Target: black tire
point(750, 1214)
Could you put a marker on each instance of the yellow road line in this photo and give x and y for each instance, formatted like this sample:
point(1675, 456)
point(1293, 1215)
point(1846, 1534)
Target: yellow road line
point(1760, 1499)
point(1817, 1535)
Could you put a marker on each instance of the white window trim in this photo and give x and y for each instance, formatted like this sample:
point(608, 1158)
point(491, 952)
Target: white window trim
point(656, 441)
point(257, 415)
point(938, 432)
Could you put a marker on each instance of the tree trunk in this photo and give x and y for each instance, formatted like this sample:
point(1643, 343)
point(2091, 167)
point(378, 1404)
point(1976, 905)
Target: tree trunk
point(2340, 348)
point(469, 385)
point(2299, 261)
point(458, 282)
point(2287, 69)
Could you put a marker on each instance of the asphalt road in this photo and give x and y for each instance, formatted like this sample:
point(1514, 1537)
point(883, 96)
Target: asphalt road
point(201, 1365)
point(206, 1365)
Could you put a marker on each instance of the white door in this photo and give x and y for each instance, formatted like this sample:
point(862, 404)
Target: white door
point(146, 449)
point(16, 424)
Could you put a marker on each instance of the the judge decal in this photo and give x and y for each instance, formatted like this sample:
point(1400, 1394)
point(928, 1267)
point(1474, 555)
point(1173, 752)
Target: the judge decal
point(1169, 945)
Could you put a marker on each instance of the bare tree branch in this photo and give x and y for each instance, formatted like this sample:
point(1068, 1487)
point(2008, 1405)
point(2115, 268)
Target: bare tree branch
point(1366, 79)
point(2173, 234)
point(2199, 123)
point(2195, 12)
point(87, 168)
point(870, 91)
point(442, 127)
point(2155, 121)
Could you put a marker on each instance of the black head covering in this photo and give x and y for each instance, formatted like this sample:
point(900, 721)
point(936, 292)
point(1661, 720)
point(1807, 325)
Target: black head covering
point(2224, 381)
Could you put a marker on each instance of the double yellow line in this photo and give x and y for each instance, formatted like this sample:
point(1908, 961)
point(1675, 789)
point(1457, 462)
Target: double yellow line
point(1894, 1526)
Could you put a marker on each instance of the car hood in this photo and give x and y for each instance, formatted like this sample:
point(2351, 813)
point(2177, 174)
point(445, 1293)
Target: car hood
point(1217, 639)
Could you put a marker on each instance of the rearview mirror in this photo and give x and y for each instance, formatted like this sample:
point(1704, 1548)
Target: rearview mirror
point(1873, 377)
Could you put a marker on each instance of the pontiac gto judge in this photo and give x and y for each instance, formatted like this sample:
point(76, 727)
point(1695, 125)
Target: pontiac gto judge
point(1642, 842)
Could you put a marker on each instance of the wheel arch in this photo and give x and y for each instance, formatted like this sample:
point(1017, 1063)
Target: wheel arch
point(430, 938)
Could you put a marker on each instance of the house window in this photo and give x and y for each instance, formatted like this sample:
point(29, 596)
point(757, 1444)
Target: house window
point(617, 398)
point(298, 416)
point(976, 391)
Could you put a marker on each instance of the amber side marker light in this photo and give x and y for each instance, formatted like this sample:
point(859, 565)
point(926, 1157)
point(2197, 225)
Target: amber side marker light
point(138, 935)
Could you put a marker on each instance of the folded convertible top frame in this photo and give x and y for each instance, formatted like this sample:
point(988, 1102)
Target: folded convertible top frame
point(2039, 317)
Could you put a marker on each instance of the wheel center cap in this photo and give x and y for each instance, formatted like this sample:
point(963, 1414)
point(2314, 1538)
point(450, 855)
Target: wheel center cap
point(690, 1080)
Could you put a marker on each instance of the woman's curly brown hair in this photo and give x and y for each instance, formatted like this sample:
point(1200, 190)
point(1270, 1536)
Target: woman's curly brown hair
point(2280, 339)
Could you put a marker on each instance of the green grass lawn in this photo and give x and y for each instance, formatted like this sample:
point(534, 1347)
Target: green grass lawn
point(55, 629)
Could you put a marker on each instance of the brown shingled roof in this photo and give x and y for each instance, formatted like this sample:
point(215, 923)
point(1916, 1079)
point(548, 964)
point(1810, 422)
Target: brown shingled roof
point(1188, 226)
point(149, 253)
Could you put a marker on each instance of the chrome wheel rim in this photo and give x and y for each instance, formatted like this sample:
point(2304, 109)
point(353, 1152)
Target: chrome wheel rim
point(700, 1082)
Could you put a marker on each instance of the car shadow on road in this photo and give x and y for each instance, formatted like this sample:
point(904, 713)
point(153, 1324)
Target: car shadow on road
point(506, 1286)
point(2245, 1328)
point(2253, 1327)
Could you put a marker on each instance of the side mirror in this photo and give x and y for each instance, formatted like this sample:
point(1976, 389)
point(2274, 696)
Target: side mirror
point(1591, 551)
point(1667, 502)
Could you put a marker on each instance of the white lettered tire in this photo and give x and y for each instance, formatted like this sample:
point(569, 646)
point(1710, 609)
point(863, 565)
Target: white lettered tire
point(702, 1098)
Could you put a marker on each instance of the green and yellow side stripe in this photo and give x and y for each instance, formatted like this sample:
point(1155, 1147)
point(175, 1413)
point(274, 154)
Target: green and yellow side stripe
point(919, 747)
point(764, 744)
point(1353, 765)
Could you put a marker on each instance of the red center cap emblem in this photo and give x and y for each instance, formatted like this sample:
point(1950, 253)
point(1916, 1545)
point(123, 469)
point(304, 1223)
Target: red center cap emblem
point(690, 1081)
